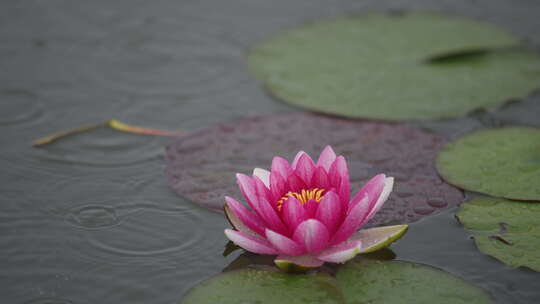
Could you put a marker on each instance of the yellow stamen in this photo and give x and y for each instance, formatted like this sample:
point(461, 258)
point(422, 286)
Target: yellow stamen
point(303, 196)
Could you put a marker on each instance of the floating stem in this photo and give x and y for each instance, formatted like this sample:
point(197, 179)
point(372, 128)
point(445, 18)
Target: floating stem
point(113, 124)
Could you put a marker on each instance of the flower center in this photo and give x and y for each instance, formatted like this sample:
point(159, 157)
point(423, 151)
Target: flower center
point(303, 196)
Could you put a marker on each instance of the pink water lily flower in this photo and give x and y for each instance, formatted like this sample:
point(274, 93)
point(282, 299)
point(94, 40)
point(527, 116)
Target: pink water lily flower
point(303, 213)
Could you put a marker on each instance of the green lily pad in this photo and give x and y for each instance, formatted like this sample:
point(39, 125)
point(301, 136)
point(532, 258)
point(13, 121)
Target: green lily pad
point(500, 162)
point(382, 67)
point(506, 230)
point(265, 286)
point(388, 282)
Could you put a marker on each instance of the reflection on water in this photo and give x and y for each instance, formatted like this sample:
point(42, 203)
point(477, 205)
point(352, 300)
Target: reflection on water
point(90, 219)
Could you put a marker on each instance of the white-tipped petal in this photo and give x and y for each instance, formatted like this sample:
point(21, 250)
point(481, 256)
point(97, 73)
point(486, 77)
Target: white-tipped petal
point(250, 243)
point(341, 253)
point(263, 175)
point(388, 186)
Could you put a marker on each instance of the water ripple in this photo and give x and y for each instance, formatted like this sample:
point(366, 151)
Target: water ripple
point(161, 56)
point(143, 230)
point(102, 148)
point(93, 217)
point(18, 106)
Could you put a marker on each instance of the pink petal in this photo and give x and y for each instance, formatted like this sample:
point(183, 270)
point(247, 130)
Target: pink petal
point(281, 166)
point(306, 261)
point(262, 190)
point(351, 223)
point(277, 186)
point(320, 179)
point(237, 224)
point(283, 244)
point(312, 234)
point(263, 175)
point(305, 169)
point(327, 157)
point(269, 215)
point(296, 184)
point(247, 187)
point(388, 185)
point(341, 253)
point(237, 212)
point(297, 158)
point(293, 213)
point(330, 211)
point(345, 190)
point(338, 171)
point(249, 242)
point(373, 188)
point(311, 208)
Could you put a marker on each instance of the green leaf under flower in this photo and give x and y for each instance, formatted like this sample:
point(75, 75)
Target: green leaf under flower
point(389, 282)
point(265, 286)
point(362, 280)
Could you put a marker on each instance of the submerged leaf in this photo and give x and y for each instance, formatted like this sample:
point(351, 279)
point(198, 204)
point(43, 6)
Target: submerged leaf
point(202, 166)
point(507, 230)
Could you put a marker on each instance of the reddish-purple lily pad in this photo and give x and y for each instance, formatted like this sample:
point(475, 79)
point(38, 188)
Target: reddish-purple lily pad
point(202, 166)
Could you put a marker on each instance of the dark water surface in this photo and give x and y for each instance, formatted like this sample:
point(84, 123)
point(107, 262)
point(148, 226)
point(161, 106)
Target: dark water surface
point(90, 219)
